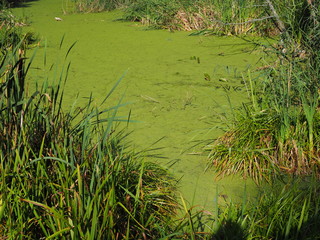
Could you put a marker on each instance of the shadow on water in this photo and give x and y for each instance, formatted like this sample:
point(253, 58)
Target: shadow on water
point(20, 3)
point(309, 230)
point(231, 230)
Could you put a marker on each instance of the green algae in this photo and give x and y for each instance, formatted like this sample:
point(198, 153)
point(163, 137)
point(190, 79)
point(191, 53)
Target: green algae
point(178, 85)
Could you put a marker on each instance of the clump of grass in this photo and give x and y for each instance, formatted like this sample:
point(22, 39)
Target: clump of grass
point(241, 17)
point(100, 5)
point(10, 33)
point(232, 17)
point(278, 131)
point(155, 13)
point(218, 17)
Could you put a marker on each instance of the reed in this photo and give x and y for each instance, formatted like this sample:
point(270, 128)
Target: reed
point(218, 17)
point(100, 5)
point(277, 131)
point(68, 174)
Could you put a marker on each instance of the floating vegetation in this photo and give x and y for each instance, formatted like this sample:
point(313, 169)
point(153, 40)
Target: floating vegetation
point(68, 174)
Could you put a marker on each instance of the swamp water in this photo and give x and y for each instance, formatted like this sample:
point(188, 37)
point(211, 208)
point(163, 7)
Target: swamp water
point(177, 85)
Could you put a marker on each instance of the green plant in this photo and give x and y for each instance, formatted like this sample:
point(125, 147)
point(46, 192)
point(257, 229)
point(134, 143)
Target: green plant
point(277, 131)
point(68, 175)
point(289, 211)
point(99, 5)
point(157, 13)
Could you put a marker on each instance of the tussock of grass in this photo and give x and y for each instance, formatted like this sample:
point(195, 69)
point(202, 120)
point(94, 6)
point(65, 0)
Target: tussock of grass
point(278, 131)
point(263, 145)
point(100, 5)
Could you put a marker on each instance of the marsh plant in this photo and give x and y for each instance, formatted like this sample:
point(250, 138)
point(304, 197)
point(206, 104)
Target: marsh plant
point(99, 5)
point(10, 32)
point(222, 17)
point(68, 174)
point(278, 130)
point(155, 13)
point(219, 17)
point(216, 17)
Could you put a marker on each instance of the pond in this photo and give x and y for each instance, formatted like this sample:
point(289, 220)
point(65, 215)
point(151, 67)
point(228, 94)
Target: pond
point(177, 85)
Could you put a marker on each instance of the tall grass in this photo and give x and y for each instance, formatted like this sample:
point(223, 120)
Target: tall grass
point(155, 13)
point(68, 174)
point(218, 17)
point(100, 5)
point(214, 16)
point(231, 17)
point(278, 131)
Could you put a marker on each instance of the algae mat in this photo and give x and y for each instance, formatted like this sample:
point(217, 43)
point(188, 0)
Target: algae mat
point(177, 85)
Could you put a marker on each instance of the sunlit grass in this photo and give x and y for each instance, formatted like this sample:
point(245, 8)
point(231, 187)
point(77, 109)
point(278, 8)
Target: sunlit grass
point(67, 174)
point(278, 129)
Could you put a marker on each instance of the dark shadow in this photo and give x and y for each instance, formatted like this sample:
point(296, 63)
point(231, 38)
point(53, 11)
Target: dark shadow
point(229, 230)
point(309, 230)
point(20, 3)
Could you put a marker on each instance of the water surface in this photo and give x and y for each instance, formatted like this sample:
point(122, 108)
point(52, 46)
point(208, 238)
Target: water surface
point(166, 82)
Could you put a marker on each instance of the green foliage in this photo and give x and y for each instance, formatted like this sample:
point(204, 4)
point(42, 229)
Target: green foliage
point(11, 33)
point(219, 17)
point(278, 131)
point(239, 17)
point(157, 13)
point(68, 175)
point(231, 17)
point(99, 5)
point(288, 212)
